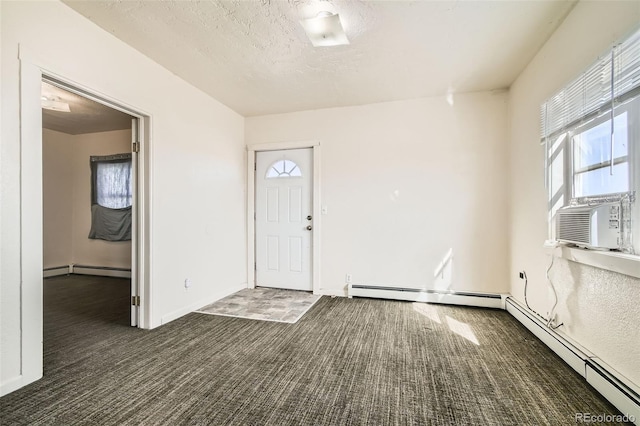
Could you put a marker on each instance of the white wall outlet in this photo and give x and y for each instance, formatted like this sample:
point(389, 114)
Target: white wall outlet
point(324, 210)
point(187, 283)
point(347, 278)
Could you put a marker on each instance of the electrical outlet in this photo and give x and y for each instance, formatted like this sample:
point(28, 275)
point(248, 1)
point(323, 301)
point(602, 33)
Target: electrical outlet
point(522, 275)
point(347, 278)
point(187, 283)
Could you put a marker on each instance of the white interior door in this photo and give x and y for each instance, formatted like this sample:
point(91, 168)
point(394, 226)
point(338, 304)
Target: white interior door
point(284, 223)
point(135, 294)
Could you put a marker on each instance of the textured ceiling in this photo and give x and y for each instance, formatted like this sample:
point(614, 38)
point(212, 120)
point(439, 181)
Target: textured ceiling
point(254, 56)
point(85, 116)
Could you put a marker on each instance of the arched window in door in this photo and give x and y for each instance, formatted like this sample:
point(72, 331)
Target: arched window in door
point(283, 169)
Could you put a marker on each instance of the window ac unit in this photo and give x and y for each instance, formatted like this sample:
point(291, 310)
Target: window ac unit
point(595, 227)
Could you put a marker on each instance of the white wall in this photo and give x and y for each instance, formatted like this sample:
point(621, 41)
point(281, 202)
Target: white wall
point(67, 199)
point(196, 157)
point(403, 183)
point(600, 309)
point(57, 198)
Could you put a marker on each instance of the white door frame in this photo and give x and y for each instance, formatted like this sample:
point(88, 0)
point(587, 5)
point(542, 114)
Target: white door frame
point(138, 206)
point(32, 72)
point(251, 208)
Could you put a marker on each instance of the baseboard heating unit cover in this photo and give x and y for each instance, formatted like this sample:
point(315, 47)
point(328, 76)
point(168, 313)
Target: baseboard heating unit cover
point(486, 300)
point(55, 271)
point(104, 271)
point(617, 389)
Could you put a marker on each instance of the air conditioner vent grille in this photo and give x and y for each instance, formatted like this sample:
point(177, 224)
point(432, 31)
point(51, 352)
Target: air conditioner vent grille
point(574, 227)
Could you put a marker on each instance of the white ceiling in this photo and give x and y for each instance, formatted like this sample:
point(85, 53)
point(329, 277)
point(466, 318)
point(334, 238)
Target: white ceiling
point(254, 56)
point(85, 115)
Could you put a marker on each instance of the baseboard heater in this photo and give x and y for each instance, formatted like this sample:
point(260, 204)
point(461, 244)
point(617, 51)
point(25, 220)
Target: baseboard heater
point(615, 388)
point(55, 271)
point(486, 300)
point(103, 271)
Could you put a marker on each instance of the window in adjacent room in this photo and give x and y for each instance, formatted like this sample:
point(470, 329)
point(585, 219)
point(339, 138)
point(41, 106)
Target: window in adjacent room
point(111, 197)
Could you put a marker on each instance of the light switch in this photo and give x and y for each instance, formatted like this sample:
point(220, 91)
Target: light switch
point(324, 210)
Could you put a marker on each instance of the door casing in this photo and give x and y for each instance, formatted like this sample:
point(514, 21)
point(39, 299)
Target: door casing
point(137, 133)
point(317, 219)
point(32, 70)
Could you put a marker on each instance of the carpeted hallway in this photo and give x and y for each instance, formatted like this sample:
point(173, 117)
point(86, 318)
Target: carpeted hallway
point(347, 361)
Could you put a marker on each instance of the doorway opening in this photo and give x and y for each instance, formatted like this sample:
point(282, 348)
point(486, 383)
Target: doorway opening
point(89, 187)
point(32, 74)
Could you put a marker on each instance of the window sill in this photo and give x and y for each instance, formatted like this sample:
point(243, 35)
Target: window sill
point(621, 263)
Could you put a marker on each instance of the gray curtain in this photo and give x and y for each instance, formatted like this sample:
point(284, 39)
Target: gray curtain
point(110, 224)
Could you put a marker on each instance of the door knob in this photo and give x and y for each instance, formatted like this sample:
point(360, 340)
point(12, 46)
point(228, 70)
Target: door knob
point(309, 228)
point(309, 217)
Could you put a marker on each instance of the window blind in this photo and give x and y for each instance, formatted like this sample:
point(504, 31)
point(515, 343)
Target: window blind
point(616, 74)
point(627, 67)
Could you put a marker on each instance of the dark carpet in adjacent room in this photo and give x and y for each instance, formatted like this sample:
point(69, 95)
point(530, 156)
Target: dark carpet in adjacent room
point(347, 361)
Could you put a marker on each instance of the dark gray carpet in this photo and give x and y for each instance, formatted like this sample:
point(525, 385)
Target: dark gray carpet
point(347, 361)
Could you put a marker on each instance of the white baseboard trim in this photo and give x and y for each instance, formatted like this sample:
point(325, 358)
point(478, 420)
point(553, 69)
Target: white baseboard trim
point(485, 300)
point(101, 271)
point(16, 383)
point(198, 305)
point(11, 385)
point(609, 386)
point(331, 293)
point(618, 390)
point(55, 271)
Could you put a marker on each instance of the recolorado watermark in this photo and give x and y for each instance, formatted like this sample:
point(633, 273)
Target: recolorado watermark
point(603, 418)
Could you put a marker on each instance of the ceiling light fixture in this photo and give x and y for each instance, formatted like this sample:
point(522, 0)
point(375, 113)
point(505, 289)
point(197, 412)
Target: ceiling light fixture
point(325, 30)
point(54, 104)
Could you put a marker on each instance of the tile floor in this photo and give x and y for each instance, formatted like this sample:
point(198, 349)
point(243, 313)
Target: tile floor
point(266, 304)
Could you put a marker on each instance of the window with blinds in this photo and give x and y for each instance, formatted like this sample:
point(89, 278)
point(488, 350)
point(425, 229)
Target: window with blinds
point(610, 81)
point(591, 132)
